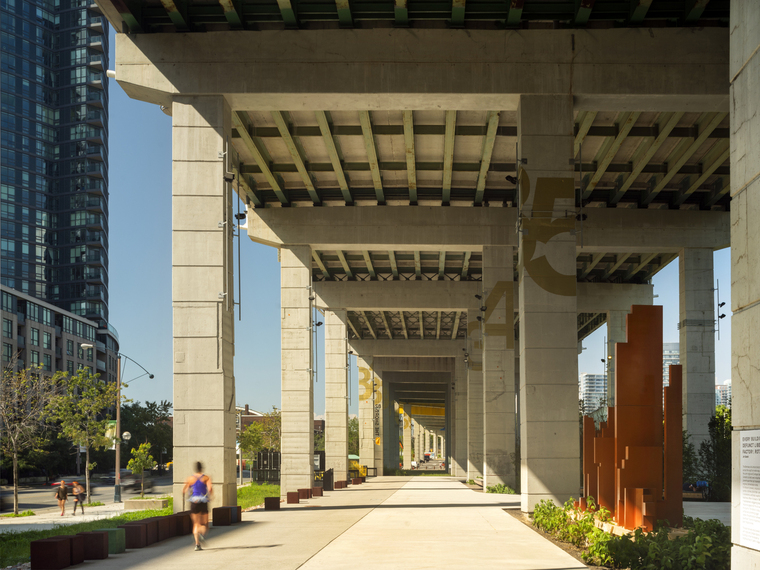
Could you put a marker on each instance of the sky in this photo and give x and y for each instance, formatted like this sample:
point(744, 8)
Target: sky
point(140, 277)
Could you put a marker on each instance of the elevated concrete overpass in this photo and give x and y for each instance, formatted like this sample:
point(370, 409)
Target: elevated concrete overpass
point(473, 187)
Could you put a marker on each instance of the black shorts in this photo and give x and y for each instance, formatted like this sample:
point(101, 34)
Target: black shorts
point(199, 508)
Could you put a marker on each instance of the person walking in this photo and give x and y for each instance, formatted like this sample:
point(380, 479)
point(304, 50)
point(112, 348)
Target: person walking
point(62, 493)
point(200, 489)
point(79, 495)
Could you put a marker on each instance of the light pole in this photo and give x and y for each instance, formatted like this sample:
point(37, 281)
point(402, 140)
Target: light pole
point(117, 444)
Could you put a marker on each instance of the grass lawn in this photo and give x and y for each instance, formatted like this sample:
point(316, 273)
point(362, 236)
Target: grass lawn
point(253, 494)
point(14, 546)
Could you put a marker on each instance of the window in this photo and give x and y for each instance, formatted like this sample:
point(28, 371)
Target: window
point(89, 355)
point(80, 351)
point(7, 352)
point(70, 367)
point(35, 360)
point(35, 337)
point(70, 347)
point(47, 362)
point(7, 328)
point(47, 340)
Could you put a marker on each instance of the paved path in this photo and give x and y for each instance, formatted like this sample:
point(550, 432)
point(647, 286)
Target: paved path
point(388, 522)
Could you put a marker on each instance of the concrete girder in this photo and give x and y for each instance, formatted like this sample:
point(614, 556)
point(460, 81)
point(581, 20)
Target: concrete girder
point(411, 161)
point(485, 155)
point(667, 69)
point(627, 120)
point(448, 154)
point(433, 228)
point(290, 143)
point(415, 363)
point(332, 151)
point(274, 180)
point(374, 164)
point(585, 120)
point(412, 347)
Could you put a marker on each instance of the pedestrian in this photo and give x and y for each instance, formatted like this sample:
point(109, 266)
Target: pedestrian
point(199, 486)
point(78, 491)
point(62, 493)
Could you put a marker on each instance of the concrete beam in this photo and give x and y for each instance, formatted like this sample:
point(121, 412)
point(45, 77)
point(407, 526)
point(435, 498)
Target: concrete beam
point(435, 228)
point(413, 347)
point(664, 69)
point(412, 364)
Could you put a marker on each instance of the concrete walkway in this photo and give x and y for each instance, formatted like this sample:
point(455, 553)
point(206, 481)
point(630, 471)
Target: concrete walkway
point(388, 522)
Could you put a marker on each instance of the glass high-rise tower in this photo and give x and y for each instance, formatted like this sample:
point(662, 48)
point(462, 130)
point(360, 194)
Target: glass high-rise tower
point(55, 169)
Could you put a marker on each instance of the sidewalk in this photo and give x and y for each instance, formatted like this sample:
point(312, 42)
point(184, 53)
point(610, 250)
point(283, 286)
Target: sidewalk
point(50, 517)
point(387, 522)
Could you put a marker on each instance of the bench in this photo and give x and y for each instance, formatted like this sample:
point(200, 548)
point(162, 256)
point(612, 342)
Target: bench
point(51, 553)
point(271, 503)
point(95, 545)
point(134, 535)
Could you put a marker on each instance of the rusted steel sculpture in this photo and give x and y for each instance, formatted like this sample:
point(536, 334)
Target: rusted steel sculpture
point(632, 465)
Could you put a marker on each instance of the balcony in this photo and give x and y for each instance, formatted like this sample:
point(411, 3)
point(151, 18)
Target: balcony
point(95, 222)
point(96, 42)
point(95, 79)
point(21, 342)
point(96, 24)
point(97, 62)
point(96, 98)
point(96, 169)
point(97, 136)
point(101, 365)
point(95, 152)
point(95, 117)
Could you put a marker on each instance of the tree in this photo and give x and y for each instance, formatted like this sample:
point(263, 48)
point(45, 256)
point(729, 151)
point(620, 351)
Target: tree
point(81, 408)
point(141, 461)
point(691, 470)
point(715, 455)
point(271, 429)
point(24, 398)
point(353, 436)
point(251, 440)
point(319, 442)
point(149, 422)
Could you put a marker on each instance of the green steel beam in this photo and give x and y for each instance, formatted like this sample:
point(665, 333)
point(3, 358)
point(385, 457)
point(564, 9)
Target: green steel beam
point(394, 266)
point(288, 14)
point(411, 172)
point(719, 189)
point(441, 264)
point(639, 9)
point(262, 163)
point(387, 326)
point(715, 157)
point(694, 9)
point(131, 13)
point(619, 260)
point(515, 13)
point(344, 14)
point(355, 326)
point(585, 119)
point(455, 328)
point(248, 188)
point(344, 263)
point(457, 13)
point(369, 324)
point(466, 264)
point(290, 143)
point(583, 11)
point(320, 263)
point(374, 164)
point(332, 151)
point(663, 262)
point(232, 13)
point(610, 149)
point(177, 16)
point(594, 261)
point(643, 262)
point(401, 13)
point(438, 327)
point(668, 121)
point(485, 155)
point(403, 324)
point(422, 326)
point(448, 155)
point(417, 266)
point(708, 123)
point(370, 267)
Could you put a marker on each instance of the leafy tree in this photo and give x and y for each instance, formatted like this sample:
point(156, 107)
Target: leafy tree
point(715, 455)
point(148, 423)
point(319, 442)
point(24, 398)
point(691, 470)
point(353, 436)
point(81, 408)
point(141, 461)
point(251, 440)
point(271, 429)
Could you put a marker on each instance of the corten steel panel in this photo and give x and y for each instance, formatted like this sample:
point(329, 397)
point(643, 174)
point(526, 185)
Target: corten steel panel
point(589, 469)
point(671, 508)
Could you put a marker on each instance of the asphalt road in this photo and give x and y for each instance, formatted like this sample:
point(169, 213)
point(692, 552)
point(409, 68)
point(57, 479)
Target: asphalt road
point(42, 497)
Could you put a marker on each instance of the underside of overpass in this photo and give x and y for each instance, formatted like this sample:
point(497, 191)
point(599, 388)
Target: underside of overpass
point(465, 189)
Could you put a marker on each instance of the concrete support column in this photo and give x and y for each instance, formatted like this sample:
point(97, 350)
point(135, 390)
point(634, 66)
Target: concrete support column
point(202, 296)
point(697, 340)
point(367, 427)
point(435, 445)
point(459, 453)
point(615, 333)
point(427, 447)
point(407, 437)
point(550, 451)
point(297, 460)
point(474, 396)
point(336, 394)
point(498, 367)
point(745, 268)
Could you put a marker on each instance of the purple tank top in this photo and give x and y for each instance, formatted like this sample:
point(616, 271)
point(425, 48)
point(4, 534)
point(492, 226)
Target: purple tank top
point(199, 491)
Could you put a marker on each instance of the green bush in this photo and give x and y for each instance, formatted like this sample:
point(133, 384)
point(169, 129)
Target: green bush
point(23, 514)
point(706, 547)
point(501, 489)
point(253, 494)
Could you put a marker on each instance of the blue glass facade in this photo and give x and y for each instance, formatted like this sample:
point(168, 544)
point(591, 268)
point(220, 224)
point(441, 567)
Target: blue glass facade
point(55, 154)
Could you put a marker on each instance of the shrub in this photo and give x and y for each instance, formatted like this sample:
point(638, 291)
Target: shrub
point(501, 488)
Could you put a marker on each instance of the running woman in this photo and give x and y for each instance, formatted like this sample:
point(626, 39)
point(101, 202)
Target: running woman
point(199, 486)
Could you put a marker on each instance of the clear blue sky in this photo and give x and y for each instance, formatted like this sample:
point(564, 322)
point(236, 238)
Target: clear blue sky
point(140, 275)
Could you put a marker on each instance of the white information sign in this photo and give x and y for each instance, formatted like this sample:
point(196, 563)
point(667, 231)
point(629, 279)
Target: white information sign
point(750, 489)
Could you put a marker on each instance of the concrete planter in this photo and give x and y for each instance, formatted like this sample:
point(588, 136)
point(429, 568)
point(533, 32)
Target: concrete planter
point(145, 504)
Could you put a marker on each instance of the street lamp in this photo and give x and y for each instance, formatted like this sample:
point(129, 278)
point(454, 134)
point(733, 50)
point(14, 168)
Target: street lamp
point(127, 435)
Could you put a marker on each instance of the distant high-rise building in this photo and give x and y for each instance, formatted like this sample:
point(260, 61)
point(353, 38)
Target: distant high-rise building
point(671, 355)
point(592, 389)
point(723, 394)
point(55, 178)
